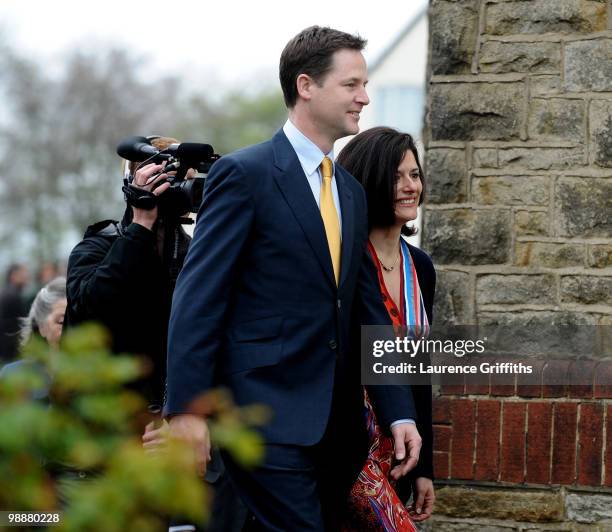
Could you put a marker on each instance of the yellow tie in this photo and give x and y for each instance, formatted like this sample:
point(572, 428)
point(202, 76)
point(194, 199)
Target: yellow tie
point(330, 216)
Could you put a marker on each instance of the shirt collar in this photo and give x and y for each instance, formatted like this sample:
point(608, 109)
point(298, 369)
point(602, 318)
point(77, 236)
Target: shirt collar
point(309, 154)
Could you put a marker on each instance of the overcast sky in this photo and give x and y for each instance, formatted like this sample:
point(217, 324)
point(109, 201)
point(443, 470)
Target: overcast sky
point(227, 41)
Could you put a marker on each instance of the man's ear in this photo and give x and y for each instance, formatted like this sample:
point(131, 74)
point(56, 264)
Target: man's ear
point(304, 84)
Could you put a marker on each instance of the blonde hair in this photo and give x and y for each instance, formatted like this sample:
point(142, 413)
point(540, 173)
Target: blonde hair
point(161, 143)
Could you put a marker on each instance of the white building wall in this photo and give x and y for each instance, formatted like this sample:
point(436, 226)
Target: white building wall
point(403, 66)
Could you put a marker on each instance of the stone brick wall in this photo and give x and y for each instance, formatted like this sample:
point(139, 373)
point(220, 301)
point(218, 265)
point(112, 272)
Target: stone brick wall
point(518, 221)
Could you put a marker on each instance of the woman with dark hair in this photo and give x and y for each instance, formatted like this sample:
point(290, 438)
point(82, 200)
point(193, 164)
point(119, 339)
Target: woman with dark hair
point(386, 162)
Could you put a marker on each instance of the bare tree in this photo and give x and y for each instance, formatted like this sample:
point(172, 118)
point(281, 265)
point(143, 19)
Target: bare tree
point(59, 164)
point(58, 167)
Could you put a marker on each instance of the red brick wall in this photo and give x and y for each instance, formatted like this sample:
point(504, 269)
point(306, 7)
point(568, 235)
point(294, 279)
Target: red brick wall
point(537, 434)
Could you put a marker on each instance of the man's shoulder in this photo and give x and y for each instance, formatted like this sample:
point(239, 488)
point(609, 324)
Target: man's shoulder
point(248, 153)
point(98, 237)
point(251, 162)
point(104, 229)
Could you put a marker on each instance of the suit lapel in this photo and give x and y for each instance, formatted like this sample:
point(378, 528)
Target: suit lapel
point(290, 178)
point(347, 207)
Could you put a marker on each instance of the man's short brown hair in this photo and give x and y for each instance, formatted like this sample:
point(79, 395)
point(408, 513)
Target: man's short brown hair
point(310, 52)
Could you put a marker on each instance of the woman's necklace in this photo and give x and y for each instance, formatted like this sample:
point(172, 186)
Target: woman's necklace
point(388, 268)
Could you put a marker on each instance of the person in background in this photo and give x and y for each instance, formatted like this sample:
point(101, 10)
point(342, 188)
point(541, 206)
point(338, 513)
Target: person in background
point(46, 272)
point(386, 163)
point(46, 315)
point(44, 319)
point(122, 275)
point(12, 307)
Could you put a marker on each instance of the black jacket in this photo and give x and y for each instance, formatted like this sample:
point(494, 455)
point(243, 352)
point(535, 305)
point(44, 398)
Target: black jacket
point(12, 307)
point(117, 278)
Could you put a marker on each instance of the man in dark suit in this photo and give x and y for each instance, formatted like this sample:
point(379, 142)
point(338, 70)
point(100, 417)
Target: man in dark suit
point(275, 281)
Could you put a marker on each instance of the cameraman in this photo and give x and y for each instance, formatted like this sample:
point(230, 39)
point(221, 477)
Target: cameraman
point(122, 275)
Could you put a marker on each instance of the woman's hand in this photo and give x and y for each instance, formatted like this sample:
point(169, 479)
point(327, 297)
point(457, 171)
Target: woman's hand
point(424, 498)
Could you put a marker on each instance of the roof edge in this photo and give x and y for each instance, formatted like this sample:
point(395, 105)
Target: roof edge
point(395, 42)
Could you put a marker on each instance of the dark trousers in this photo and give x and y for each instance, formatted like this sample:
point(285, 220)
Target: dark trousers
point(299, 488)
point(227, 512)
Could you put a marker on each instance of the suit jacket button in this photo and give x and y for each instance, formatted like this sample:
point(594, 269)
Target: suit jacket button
point(332, 344)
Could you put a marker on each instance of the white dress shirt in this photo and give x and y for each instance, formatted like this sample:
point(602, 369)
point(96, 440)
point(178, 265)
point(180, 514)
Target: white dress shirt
point(310, 157)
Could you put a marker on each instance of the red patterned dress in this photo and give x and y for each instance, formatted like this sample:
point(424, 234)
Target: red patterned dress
point(373, 503)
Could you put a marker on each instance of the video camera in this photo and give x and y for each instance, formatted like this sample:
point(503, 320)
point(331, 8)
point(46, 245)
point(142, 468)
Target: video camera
point(184, 195)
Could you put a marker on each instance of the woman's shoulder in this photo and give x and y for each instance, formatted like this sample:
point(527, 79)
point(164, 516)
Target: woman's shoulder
point(14, 367)
point(25, 365)
point(419, 256)
point(9, 368)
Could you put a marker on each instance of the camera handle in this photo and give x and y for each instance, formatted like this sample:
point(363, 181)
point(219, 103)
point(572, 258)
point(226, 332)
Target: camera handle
point(139, 198)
